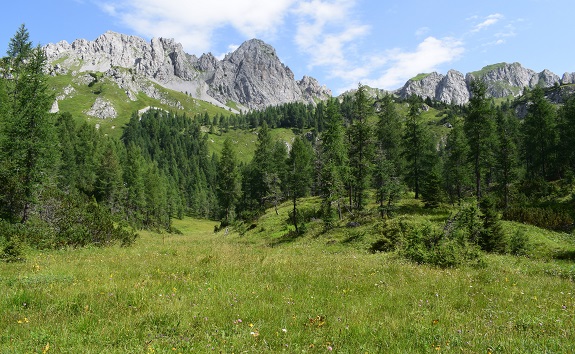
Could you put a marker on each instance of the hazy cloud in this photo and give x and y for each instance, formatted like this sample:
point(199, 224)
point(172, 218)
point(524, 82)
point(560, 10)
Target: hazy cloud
point(488, 21)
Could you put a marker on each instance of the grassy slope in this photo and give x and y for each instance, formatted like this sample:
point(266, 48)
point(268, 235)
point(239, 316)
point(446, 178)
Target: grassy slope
point(259, 292)
point(84, 97)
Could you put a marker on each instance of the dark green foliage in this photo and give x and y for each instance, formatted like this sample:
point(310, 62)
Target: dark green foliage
point(388, 164)
point(548, 218)
point(229, 184)
point(299, 177)
point(360, 150)
point(491, 237)
point(332, 161)
point(456, 171)
point(418, 151)
point(540, 137)
point(479, 127)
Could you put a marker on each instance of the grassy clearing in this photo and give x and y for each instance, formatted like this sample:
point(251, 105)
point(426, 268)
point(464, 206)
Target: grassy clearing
point(263, 292)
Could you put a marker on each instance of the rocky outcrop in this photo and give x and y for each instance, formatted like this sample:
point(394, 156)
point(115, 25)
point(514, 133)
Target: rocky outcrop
point(102, 109)
point(252, 76)
point(502, 80)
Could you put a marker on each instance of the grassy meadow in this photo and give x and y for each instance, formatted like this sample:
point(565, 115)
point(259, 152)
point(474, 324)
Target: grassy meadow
point(200, 292)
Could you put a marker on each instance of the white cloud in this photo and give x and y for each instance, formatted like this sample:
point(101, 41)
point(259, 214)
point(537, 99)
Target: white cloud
point(325, 30)
point(402, 65)
point(488, 21)
point(193, 22)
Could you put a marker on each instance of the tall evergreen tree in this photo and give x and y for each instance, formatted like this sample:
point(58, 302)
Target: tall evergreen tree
point(418, 149)
point(229, 184)
point(479, 127)
point(456, 169)
point(360, 136)
point(300, 174)
point(388, 163)
point(28, 150)
point(507, 154)
point(333, 162)
point(566, 127)
point(540, 137)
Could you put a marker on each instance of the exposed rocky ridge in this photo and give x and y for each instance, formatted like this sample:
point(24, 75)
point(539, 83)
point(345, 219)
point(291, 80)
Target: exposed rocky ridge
point(252, 76)
point(502, 80)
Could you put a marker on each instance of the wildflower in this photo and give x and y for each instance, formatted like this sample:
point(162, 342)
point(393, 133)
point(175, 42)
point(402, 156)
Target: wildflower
point(284, 330)
point(435, 322)
point(329, 348)
point(255, 333)
point(251, 325)
point(46, 348)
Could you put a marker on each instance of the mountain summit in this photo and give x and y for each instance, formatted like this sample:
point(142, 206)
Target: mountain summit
point(502, 80)
point(252, 77)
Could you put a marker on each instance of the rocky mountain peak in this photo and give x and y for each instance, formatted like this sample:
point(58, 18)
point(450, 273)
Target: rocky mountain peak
point(252, 76)
point(502, 80)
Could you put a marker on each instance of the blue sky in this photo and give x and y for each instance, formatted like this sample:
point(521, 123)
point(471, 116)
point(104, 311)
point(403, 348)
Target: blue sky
point(381, 43)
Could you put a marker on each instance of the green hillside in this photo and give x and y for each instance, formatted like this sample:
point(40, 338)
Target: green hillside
point(83, 97)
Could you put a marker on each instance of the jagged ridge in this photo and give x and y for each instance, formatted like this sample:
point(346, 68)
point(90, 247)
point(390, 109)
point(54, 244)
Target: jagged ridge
point(252, 76)
point(502, 80)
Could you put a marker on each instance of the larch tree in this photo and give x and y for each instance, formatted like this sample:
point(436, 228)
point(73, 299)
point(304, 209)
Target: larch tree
point(479, 127)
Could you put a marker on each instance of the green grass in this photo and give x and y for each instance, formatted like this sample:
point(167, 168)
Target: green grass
point(419, 77)
point(244, 141)
point(262, 292)
point(84, 97)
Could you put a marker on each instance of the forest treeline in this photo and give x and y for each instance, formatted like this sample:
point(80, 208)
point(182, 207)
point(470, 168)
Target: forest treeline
point(63, 183)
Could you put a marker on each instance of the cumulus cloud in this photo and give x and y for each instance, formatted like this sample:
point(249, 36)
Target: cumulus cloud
point(193, 22)
point(403, 65)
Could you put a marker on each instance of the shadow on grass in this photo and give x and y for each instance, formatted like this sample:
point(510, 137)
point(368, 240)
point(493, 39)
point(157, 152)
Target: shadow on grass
point(288, 237)
point(565, 255)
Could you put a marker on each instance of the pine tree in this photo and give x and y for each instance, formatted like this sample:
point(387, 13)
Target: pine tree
point(333, 162)
point(300, 173)
point(479, 127)
point(28, 153)
point(229, 184)
point(388, 163)
point(456, 177)
point(540, 137)
point(418, 150)
point(566, 128)
point(507, 154)
point(360, 149)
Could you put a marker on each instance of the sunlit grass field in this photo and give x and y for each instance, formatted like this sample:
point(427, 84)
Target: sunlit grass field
point(202, 292)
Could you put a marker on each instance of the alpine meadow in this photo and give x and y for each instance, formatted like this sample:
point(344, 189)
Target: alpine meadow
point(152, 201)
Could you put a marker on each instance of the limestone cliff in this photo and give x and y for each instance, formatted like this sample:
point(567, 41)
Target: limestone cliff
point(252, 76)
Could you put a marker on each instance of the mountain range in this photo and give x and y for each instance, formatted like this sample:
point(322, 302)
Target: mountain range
point(251, 77)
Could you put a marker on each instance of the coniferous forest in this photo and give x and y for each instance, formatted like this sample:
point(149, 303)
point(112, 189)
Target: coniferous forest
point(65, 184)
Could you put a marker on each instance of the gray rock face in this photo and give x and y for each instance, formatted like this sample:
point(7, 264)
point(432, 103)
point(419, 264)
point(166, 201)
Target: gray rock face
point(502, 80)
point(453, 88)
point(568, 78)
point(425, 87)
point(252, 76)
point(102, 109)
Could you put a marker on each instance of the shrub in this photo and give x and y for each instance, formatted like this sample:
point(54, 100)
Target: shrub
point(558, 220)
